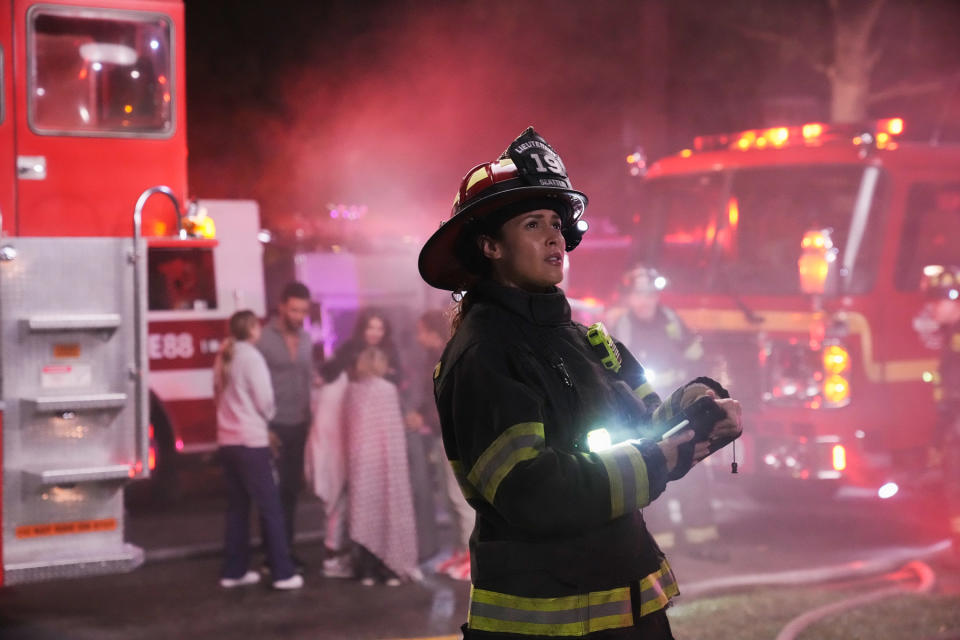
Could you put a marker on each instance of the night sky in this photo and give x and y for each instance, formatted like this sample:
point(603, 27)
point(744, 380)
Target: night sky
point(302, 105)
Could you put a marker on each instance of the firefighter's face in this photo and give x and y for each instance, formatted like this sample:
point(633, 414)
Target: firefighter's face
point(529, 252)
point(643, 304)
point(293, 311)
point(375, 331)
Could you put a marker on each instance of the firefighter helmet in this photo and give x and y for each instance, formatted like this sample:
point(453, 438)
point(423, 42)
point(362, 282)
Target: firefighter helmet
point(941, 281)
point(529, 175)
point(642, 279)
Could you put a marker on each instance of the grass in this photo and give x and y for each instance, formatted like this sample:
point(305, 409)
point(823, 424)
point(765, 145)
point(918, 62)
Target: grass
point(762, 613)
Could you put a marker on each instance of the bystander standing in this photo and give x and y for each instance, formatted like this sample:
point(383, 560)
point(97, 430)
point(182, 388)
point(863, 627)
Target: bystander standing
point(245, 402)
point(289, 354)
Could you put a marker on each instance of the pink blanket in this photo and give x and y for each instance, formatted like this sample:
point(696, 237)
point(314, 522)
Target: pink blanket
point(378, 479)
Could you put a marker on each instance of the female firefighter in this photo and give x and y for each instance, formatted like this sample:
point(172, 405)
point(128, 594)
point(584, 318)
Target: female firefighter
point(559, 548)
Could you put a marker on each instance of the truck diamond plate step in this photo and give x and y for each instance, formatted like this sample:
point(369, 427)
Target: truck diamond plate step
point(74, 322)
point(54, 404)
point(84, 474)
point(126, 558)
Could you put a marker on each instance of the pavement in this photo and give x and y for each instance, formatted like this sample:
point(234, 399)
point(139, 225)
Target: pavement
point(176, 593)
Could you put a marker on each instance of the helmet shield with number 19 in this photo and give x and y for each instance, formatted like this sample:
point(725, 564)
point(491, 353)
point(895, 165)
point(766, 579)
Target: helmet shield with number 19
point(529, 175)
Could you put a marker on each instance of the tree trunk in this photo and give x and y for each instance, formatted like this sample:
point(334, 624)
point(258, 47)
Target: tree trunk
point(853, 61)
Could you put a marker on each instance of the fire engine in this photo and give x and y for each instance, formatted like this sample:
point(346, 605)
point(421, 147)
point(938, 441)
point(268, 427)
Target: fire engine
point(796, 252)
point(105, 274)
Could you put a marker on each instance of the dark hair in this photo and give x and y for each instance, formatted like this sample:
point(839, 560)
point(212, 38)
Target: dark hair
point(470, 253)
point(364, 317)
point(295, 289)
point(436, 321)
point(242, 324)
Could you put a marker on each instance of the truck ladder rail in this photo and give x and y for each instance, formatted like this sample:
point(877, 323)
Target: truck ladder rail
point(143, 442)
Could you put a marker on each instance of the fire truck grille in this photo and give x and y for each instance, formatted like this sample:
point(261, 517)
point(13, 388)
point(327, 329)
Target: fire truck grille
point(733, 360)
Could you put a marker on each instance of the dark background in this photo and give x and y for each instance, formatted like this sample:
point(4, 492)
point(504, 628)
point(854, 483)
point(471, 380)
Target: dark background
point(385, 105)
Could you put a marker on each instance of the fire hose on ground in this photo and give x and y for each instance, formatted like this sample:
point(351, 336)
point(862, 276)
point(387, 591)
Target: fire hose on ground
point(898, 565)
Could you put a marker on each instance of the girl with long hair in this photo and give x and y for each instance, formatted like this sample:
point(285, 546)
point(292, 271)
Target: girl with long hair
point(245, 404)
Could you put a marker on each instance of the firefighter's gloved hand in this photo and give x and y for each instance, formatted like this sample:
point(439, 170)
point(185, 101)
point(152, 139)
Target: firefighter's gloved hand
point(730, 427)
point(681, 453)
point(692, 392)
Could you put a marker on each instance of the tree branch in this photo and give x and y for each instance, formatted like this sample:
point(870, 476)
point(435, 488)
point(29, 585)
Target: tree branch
point(785, 43)
point(907, 89)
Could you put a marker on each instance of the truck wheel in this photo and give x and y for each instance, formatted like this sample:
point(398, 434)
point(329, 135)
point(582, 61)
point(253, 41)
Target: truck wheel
point(162, 488)
point(164, 478)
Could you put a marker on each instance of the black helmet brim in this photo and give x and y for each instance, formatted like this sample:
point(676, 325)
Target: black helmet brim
point(440, 264)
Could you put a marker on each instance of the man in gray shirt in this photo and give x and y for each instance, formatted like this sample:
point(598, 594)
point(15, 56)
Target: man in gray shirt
point(289, 354)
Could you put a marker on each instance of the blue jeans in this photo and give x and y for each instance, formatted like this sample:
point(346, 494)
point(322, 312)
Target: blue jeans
point(249, 476)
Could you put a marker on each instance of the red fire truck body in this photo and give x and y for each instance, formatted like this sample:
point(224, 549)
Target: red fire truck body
point(93, 121)
point(796, 253)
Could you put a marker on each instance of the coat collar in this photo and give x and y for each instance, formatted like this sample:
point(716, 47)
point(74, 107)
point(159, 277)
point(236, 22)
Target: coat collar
point(548, 309)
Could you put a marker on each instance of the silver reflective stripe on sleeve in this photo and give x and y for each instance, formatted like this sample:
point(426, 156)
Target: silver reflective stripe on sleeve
point(627, 473)
point(520, 442)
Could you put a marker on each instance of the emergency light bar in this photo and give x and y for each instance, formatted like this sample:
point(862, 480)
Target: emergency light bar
point(813, 134)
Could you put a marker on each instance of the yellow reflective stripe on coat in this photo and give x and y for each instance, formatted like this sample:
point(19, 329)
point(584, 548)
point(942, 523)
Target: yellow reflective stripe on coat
point(575, 615)
point(520, 442)
point(467, 489)
point(644, 390)
point(669, 408)
point(657, 589)
point(627, 473)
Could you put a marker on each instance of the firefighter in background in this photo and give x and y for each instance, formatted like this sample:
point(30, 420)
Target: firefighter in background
point(942, 287)
point(669, 352)
point(653, 331)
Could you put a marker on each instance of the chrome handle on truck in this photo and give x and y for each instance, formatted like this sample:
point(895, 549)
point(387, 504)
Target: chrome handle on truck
point(143, 440)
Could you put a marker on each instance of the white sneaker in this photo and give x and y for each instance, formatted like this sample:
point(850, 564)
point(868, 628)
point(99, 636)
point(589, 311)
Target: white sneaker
point(393, 582)
point(368, 582)
point(337, 567)
point(250, 577)
point(288, 584)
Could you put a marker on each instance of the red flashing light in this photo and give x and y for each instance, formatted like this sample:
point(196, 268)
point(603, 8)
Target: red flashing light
point(151, 451)
point(839, 455)
point(812, 131)
point(893, 126)
point(733, 212)
point(810, 134)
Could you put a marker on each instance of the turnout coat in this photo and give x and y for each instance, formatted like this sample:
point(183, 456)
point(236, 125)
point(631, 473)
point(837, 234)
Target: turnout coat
point(559, 548)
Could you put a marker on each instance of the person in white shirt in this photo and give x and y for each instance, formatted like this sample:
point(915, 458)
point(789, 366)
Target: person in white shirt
point(245, 404)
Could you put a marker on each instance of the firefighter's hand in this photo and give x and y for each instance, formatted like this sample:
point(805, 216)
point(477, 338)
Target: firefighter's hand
point(275, 444)
point(414, 421)
point(730, 427)
point(677, 451)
